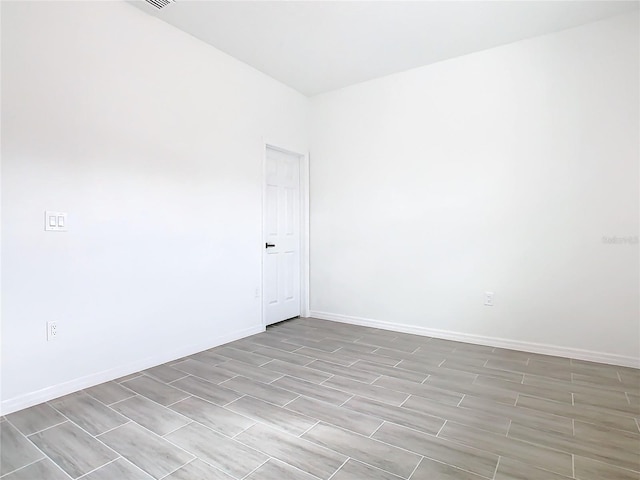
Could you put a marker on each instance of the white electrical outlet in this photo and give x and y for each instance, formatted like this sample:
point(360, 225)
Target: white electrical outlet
point(52, 331)
point(488, 299)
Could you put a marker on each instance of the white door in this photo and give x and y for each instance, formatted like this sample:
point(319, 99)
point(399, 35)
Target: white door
point(281, 266)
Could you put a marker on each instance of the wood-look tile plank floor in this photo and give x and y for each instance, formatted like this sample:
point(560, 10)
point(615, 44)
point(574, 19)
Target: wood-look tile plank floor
point(317, 400)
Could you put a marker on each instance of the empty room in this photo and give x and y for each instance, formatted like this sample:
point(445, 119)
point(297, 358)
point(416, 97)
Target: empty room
point(320, 240)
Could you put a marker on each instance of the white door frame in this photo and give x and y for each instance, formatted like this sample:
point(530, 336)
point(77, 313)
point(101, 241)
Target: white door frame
point(304, 228)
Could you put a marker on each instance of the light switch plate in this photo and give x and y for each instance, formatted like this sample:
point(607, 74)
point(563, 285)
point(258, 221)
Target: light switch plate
point(55, 221)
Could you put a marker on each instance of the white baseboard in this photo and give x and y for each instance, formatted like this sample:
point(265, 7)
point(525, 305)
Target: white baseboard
point(34, 398)
point(542, 348)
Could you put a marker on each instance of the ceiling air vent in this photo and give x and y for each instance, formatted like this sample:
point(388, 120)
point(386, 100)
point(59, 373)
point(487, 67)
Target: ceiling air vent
point(159, 4)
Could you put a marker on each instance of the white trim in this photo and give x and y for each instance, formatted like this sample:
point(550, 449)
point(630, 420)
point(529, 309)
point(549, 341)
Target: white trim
point(542, 348)
point(305, 232)
point(34, 398)
point(304, 228)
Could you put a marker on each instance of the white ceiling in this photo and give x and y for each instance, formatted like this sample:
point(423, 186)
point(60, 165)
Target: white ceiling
point(317, 46)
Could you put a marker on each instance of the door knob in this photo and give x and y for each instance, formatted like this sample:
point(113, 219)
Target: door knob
point(269, 245)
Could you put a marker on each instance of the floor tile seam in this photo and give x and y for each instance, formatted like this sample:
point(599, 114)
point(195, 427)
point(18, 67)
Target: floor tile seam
point(541, 387)
point(423, 456)
point(153, 434)
point(514, 440)
point(232, 401)
point(508, 428)
point(615, 466)
point(325, 380)
point(44, 429)
point(71, 422)
point(399, 367)
point(50, 403)
point(456, 409)
point(305, 395)
point(351, 364)
point(196, 422)
point(282, 375)
point(495, 472)
point(292, 400)
point(227, 472)
point(232, 348)
point(45, 457)
point(373, 466)
point(330, 362)
point(596, 378)
point(474, 393)
point(348, 399)
point(175, 429)
point(515, 458)
point(529, 372)
point(167, 407)
point(413, 393)
point(311, 370)
point(75, 424)
point(405, 400)
point(336, 374)
point(86, 391)
point(530, 394)
point(117, 426)
point(364, 397)
point(147, 371)
point(256, 422)
point(573, 387)
point(201, 378)
point(234, 436)
point(166, 384)
point(437, 435)
point(339, 468)
point(457, 467)
point(292, 351)
point(196, 395)
point(582, 420)
point(346, 411)
point(377, 428)
point(174, 470)
point(572, 453)
point(299, 438)
point(297, 468)
point(602, 409)
point(416, 468)
point(369, 438)
point(310, 428)
point(455, 442)
point(239, 392)
point(121, 380)
point(84, 475)
point(260, 400)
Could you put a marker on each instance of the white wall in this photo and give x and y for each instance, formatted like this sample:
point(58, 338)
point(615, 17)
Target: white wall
point(498, 171)
point(152, 142)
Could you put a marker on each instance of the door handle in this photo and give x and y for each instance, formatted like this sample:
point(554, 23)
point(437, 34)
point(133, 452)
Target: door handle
point(269, 245)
